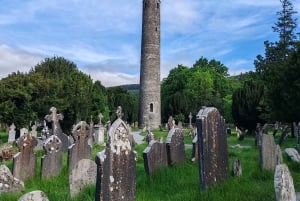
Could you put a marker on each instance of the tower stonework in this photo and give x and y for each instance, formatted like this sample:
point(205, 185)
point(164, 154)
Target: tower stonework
point(150, 103)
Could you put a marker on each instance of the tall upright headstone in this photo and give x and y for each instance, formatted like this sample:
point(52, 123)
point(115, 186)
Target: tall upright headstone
point(116, 165)
point(150, 103)
point(12, 133)
point(212, 147)
point(175, 146)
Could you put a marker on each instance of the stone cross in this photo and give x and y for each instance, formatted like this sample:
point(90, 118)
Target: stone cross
point(54, 118)
point(100, 118)
point(190, 117)
point(119, 112)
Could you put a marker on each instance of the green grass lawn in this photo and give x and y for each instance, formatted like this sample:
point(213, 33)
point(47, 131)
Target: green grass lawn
point(180, 182)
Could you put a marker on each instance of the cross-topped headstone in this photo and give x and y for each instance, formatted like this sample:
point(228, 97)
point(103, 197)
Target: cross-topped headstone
point(100, 116)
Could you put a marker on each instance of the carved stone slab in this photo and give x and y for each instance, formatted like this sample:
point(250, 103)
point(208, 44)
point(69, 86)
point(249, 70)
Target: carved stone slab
point(116, 166)
point(293, 154)
point(34, 195)
point(8, 183)
point(268, 157)
point(155, 156)
point(52, 161)
point(81, 149)
point(175, 146)
point(24, 162)
point(212, 146)
point(283, 183)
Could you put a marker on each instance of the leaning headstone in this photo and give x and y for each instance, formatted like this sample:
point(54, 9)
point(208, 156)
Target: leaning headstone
point(83, 174)
point(212, 145)
point(116, 165)
point(34, 196)
point(155, 156)
point(12, 133)
point(283, 183)
point(23, 131)
point(293, 154)
point(8, 183)
point(237, 168)
point(24, 162)
point(175, 146)
point(56, 129)
point(81, 148)
point(268, 156)
point(52, 160)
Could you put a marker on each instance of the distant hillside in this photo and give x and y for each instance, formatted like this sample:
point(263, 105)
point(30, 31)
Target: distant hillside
point(132, 88)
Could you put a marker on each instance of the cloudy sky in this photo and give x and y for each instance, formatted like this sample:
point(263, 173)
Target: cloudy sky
point(103, 37)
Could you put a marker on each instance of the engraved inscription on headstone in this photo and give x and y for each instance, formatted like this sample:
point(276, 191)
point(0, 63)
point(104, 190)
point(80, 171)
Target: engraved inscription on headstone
point(212, 146)
point(24, 162)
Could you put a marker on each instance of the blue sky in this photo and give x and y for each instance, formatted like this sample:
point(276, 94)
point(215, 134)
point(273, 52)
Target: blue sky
point(103, 37)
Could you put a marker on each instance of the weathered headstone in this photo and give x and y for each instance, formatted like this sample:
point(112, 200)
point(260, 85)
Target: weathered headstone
point(195, 153)
point(171, 123)
point(34, 196)
point(283, 183)
point(52, 161)
point(155, 156)
point(12, 133)
point(180, 124)
point(149, 137)
point(268, 153)
point(83, 174)
point(33, 130)
point(56, 129)
point(175, 146)
point(23, 131)
point(99, 134)
point(237, 168)
point(297, 132)
point(81, 148)
point(24, 162)
point(212, 145)
point(116, 165)
point(8, 183)
point(293, 154)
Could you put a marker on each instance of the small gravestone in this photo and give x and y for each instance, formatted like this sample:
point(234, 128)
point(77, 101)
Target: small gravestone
point(81, 148)
point(34, 196)
point(293, 154)
point(268, 153)
point(83, 174)
point(52, 161)
point(56, 129)
point(180, 124)
point(99, 131)
point(283, 183)
point(155, 156)
point(175, 146)
point(171, 123)
point(12, 133)
point(116, 165)
point(212, 145)
point(24, 162)
point(8, 183)
point(33, 130)
point(23, 131)
point(297, 132)
point(279, 158)
point(195, 153)
point(190, 118)
point(237, 168)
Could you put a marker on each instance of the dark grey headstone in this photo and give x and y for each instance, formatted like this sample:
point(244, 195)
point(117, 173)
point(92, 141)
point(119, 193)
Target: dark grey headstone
point(52, 161)
point(175, 146)
point(56, 129)
point(81, 149)
point(116, 166)
point(283, 183)
point(237, 168)
point(212, 144)
point(155, 156)
point(24, 162)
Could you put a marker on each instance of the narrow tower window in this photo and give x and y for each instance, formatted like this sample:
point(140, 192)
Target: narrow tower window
point(157, 5)
point(145, 5)
point(151, 107)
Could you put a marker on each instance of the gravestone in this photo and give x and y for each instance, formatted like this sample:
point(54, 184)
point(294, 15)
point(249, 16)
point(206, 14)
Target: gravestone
point(297, 132)
point(212, 147)
point(8, 183)
point(99, 134)
point(34, 196)
point(195, 153)
point(293, 154)
point(283, 183)
point(24, 162)
point(12, 133)
point(190, 120)
point(237, 168)
point(268, 153)
point(23, 131)
point(116, 165)
point(81, 148)
point(56, 129)
point(52, 161)
point(155, 156)
point(149, 137)
point(171, 123)
point(83, 174)
point(33, 130)
point(180, 124)
point(175, 146)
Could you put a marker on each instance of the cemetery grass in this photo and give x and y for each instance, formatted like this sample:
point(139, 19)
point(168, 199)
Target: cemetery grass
point(179, 182)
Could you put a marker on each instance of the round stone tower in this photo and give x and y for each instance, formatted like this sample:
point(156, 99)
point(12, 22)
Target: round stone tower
point(149, 109)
